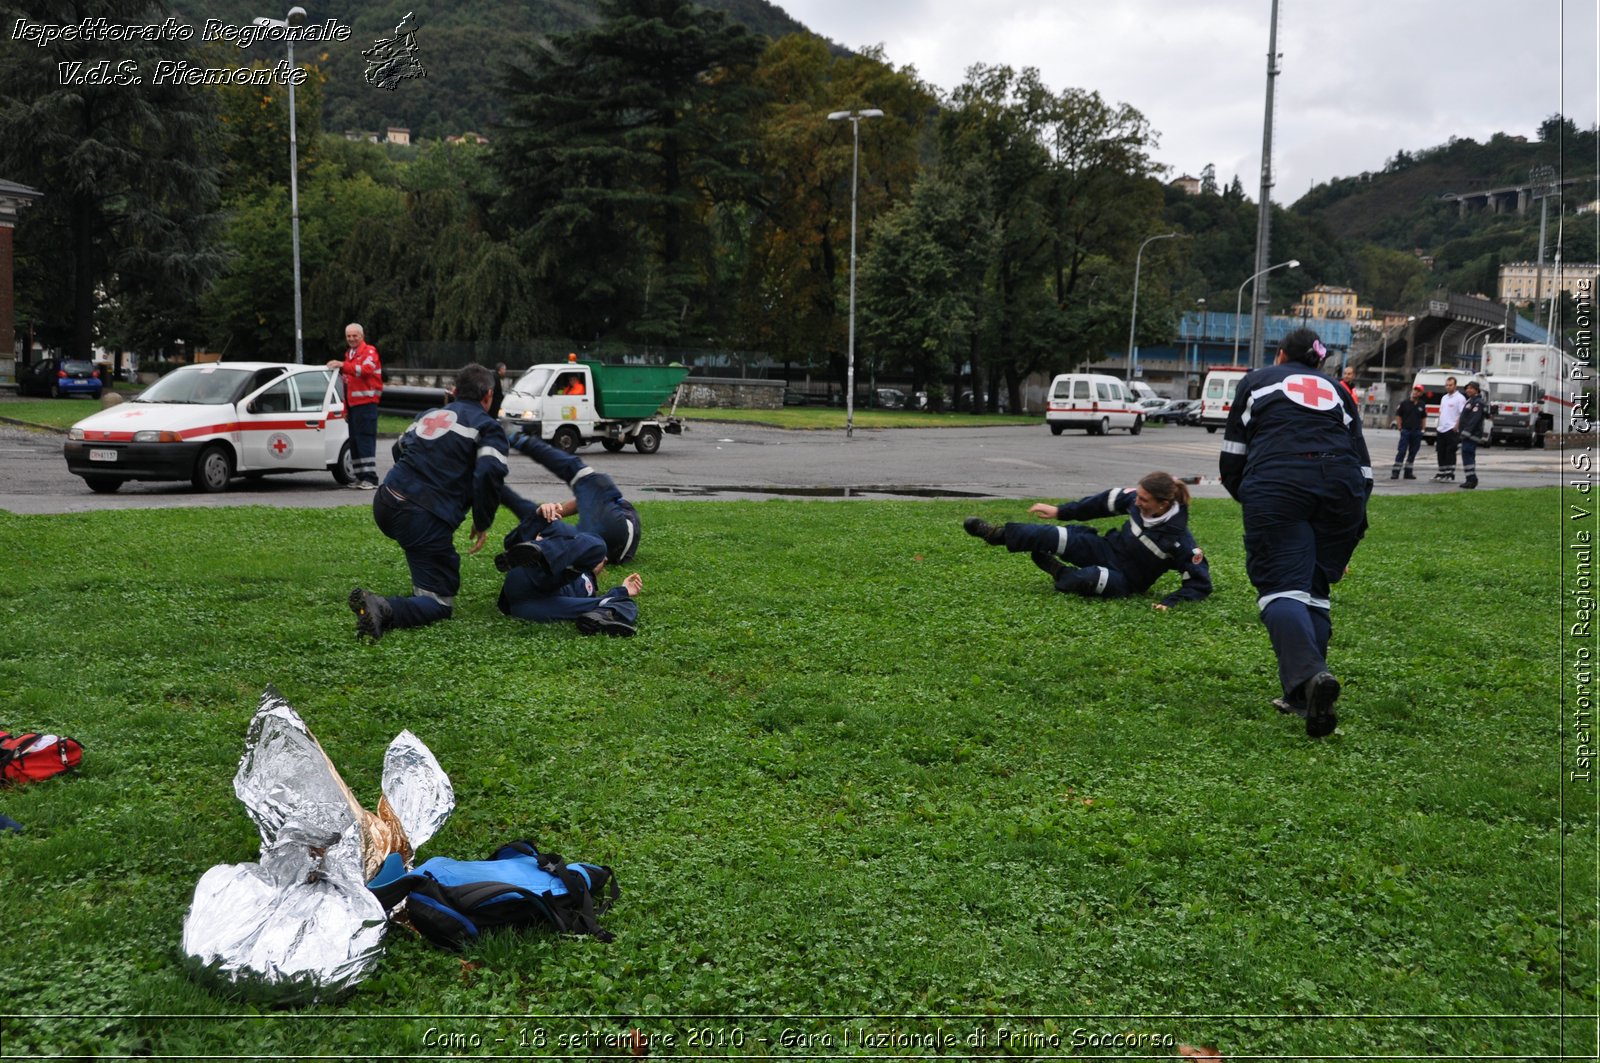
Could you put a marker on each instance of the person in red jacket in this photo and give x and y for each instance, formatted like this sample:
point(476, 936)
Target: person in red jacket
point(363, 387)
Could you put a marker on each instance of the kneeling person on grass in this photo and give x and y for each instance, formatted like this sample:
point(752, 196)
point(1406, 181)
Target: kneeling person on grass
point(553, 574)
point(449, 463)
point(1122, 562)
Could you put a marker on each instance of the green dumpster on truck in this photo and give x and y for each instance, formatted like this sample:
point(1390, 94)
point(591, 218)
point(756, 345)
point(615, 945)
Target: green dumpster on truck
point(573, 404)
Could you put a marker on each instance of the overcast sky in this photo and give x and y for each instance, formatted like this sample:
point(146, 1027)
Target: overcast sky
point(1359, 79)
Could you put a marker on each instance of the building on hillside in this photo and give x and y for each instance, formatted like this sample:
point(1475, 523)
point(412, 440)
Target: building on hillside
point(1518, 280)
point(1327, 302)
point(397, 135)
point(1189, 184)
point(469, 137)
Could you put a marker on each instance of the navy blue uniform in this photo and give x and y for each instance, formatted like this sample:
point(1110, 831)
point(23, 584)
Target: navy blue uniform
point(602, 511)
point(1473, 417)
point(1122, 562)
point(569, 588)
point(1411, 415)
point(451, 460)
point(1294, 457)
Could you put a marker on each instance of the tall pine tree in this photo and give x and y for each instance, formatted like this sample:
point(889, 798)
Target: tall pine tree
point(621, 142)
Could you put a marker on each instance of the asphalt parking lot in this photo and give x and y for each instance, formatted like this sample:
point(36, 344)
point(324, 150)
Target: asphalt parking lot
point(723, 460)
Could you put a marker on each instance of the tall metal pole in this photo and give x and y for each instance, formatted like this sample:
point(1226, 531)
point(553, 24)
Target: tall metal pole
point(294, 200)
point(850, 374)
point(1134, 317)
point(855, 118)
point(1258, 295)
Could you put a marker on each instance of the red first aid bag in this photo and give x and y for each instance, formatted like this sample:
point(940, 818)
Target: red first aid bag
point(31, 757)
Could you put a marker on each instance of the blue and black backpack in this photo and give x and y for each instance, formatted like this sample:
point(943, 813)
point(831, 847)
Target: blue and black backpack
point(453, 901)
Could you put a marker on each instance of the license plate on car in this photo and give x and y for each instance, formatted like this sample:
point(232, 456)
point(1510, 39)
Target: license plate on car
point(98, 454)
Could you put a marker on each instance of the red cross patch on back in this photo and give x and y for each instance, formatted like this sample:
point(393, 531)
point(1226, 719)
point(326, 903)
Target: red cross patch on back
point(1311, 390)
point(436, 424)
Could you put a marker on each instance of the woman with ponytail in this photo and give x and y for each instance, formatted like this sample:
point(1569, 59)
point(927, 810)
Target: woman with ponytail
point(1122, 562)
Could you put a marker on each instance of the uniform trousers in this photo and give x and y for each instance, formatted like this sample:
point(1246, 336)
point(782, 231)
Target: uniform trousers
point(429, 544)
point(1302, 521)
point(1410, 443)
point(602, 511)
point(363, 422)
point(1097, 574)
point(1445, 443)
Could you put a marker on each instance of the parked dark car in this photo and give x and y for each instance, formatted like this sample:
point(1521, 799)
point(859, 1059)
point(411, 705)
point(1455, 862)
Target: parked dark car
point(58, 378)
point(1178, 411)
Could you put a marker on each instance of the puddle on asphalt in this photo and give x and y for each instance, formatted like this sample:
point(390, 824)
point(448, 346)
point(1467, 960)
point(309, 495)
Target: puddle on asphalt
point(823, 492)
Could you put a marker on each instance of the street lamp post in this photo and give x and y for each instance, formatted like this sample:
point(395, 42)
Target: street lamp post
point(854, 118)
point(1133, 318)
point(1481, 334)
point(295, 17)
point(1194, 342)
point(1238, 304)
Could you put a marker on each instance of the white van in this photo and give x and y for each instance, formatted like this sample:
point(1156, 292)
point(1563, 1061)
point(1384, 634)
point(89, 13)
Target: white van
point(1216, 394)
point(1093, 401)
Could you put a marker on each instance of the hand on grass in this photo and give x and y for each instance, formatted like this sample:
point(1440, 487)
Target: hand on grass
point(478, 539)
point(1160, 607)
point(633, 584)
point(1043, 509)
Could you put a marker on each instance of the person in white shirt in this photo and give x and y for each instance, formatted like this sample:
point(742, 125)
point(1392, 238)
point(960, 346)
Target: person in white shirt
point(1451, 403)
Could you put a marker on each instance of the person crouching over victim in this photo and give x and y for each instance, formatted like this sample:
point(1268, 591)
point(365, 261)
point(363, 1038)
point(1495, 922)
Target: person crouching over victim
point(1122, 562)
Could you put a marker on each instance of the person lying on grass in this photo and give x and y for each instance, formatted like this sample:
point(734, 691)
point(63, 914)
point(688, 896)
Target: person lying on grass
point(553, 574)
point(1122, 562)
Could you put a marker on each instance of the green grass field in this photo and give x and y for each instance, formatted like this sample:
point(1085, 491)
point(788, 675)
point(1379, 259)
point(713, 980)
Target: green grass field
point(859, 775)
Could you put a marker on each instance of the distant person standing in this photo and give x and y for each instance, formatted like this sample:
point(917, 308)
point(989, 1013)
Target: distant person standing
point(1348, 379)
point(1408, 417)
point(363, 387)
point(1474, 420)
point(1449, 436)
point(499, 389)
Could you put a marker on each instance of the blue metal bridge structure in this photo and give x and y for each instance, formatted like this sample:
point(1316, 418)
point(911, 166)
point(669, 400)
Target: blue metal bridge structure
point(1450, 330)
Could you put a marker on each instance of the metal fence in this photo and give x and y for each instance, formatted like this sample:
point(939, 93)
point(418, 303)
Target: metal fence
point(519, 354)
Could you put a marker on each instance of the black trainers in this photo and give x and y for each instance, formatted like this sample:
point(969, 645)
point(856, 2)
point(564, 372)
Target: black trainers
point(520, 555)
point(982, 529)
point(372, 614)
point(1049, 563)
point(604, 622)
point(1322, 690)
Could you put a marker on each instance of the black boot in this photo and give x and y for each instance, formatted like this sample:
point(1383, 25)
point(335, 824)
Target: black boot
point(1410, 475)
point(1394, 474)
point(1470, 482)
point(982, 529)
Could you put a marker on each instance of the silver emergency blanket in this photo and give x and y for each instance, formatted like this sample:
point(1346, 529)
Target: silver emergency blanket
point(300, 926)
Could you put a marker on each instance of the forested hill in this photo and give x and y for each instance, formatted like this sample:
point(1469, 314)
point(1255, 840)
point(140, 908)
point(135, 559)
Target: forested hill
point(461, 46)
point(1400, 207)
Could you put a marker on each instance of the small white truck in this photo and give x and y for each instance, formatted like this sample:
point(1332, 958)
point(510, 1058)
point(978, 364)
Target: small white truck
point(1532, 390)
point(572, 404)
